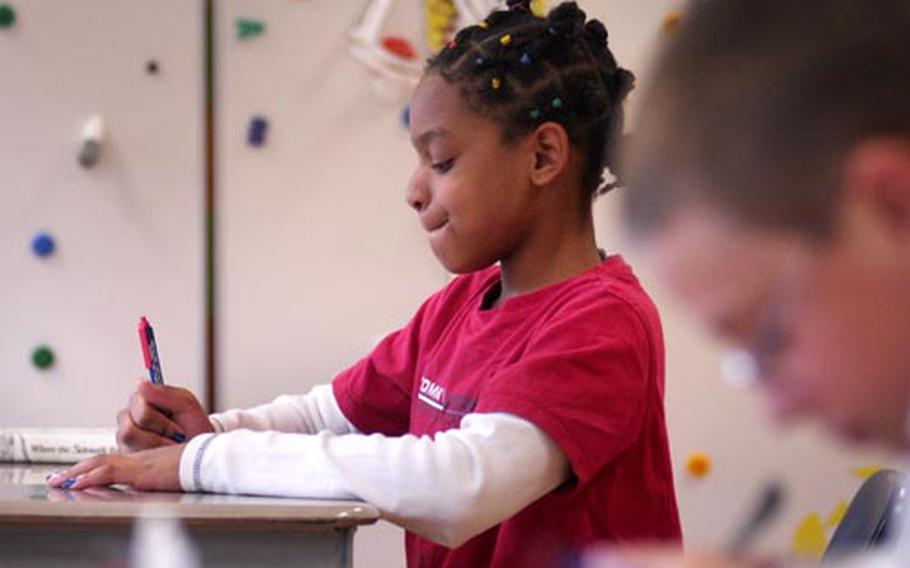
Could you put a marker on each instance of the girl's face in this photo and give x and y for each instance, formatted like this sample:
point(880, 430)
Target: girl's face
point(471, 190)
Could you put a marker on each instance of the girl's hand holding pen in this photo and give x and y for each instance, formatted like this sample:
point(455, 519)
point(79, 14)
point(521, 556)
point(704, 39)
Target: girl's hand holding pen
point(159, 415)
point(151, 432)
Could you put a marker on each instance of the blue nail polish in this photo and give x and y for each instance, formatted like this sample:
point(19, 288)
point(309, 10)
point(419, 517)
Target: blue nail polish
point(68, 483)
point(179, 438)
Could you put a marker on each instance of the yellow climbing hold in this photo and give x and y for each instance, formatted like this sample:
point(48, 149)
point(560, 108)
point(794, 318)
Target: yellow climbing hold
point(837, 515)
point(699, 464)
point(810, 539)
point(440, 20)
point(865, 472)
point(812, 534)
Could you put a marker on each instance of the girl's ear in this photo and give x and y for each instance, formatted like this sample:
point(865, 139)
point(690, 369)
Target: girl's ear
point(551, 147)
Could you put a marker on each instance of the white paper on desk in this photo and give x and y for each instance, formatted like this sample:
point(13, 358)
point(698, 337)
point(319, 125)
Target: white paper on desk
point(55, 445)
point(24, 475)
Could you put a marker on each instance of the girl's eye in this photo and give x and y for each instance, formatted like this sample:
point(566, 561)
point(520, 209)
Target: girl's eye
point(443, 166)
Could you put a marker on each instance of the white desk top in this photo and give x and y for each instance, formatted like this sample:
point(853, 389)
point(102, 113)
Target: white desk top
point(25, 497)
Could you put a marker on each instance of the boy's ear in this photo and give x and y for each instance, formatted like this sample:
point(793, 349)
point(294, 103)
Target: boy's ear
point(550, 143)
point(877, 174)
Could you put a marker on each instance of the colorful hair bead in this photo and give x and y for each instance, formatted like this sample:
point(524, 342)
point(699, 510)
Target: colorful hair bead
point(534, 113)
point(482, 24)
point(452, 44)
point(506, 39)
point(496, 82)
point(525, 59)
point(557, 102)
point(479, 62)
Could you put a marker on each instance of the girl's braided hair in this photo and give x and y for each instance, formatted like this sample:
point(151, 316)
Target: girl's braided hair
point(523, 70)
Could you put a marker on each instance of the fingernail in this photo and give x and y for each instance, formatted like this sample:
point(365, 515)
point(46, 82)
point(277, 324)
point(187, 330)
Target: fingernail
point(68, 483)
point(179, 438)
point(52, 475)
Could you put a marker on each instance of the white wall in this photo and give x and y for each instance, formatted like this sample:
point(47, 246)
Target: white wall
point(128, 231)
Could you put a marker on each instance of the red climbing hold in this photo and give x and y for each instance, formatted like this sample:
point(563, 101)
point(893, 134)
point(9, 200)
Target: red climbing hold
point(399, 46)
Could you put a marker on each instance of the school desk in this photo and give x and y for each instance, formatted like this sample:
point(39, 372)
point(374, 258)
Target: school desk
point(43, 528)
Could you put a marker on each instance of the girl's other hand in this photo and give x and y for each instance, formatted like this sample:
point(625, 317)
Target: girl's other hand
point(159, 415)
point(106, 494)
point(151, 470)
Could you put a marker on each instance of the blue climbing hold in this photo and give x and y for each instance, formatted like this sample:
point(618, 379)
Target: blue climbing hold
point(255, 135)
point(43, 244)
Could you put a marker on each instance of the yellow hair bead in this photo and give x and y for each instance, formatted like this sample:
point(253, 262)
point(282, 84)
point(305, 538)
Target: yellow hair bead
point(496, 82)
point(506, 39)
point(483, 24)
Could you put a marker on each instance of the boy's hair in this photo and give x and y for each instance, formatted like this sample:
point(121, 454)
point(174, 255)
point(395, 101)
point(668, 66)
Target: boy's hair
point(756, 105)
point(523, 70)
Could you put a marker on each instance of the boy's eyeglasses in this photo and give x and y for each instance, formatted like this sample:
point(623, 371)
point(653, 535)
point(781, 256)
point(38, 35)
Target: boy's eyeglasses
point(747, 365)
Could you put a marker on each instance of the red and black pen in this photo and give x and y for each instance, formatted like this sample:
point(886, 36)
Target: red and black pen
point(153, 364)
point(150, 351)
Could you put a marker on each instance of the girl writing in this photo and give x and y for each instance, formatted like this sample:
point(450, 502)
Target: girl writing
point(520, 411)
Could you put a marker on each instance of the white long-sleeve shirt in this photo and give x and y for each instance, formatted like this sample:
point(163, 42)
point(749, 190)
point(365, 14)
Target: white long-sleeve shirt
point(447, 488)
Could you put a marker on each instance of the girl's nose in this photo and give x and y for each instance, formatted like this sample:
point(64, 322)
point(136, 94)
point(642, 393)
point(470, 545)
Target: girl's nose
point(418, 195)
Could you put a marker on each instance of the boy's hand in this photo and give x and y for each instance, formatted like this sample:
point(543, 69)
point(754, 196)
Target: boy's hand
point(145, 423)
point(668, 557)
point(151, 470)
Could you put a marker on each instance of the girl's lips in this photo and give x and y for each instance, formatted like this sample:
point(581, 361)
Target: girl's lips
point(435, 227)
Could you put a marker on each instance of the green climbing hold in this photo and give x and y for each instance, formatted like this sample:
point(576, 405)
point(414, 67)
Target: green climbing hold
point(43, 357)
point(247, 28)
point(7, 16)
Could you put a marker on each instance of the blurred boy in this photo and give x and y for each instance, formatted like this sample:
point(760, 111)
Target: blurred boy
point(770, 183)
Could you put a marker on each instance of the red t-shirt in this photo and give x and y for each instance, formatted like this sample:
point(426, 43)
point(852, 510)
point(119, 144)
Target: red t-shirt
point(582, 359)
